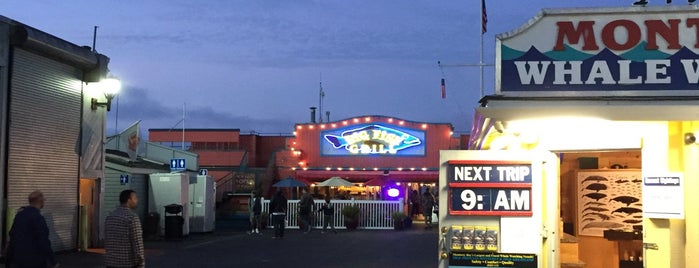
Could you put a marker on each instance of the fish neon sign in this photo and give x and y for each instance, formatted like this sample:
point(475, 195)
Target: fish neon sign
point(373, 139)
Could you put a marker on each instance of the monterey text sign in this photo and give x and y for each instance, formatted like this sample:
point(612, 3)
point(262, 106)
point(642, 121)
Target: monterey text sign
point(603, 52)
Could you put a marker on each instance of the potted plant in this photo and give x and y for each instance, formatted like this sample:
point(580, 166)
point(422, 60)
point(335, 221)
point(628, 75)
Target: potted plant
point(398, 220)
point(351, 213)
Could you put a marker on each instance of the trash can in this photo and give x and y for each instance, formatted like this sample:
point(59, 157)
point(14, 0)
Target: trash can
point(151, 224)
point(173, 222)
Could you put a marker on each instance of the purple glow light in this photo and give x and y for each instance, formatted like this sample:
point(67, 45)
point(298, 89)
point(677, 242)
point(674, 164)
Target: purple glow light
point(393, 192)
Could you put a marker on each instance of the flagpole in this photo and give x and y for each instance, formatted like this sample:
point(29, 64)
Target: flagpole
point(184, 108)
point(321, 94)
point(480, 62)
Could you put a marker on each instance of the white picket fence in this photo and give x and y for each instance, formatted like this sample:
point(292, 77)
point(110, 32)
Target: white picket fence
point(373, 214)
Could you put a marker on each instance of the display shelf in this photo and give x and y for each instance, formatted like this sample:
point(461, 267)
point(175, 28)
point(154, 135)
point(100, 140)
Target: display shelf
point(630, 264)
point(614, 235)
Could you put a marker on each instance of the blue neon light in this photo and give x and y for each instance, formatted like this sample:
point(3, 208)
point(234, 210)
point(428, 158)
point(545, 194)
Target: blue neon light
point(373, 139)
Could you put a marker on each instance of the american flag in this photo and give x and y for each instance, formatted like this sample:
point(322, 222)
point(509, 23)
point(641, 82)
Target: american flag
point(484, 18)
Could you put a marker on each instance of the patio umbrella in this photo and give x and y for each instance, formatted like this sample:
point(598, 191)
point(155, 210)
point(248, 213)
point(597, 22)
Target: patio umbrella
point(289, 182)
point(335, 181)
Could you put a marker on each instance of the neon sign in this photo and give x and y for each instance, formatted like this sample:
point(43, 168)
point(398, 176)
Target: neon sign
point(373, 140)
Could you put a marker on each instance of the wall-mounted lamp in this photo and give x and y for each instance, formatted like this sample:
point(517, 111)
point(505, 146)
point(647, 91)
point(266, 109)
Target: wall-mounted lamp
point(689, 138)
point(110, 87)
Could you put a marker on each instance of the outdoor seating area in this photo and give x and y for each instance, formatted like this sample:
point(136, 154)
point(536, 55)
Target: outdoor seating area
point(373, 214)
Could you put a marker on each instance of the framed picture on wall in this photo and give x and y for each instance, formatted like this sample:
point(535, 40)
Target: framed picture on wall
point(608, 200)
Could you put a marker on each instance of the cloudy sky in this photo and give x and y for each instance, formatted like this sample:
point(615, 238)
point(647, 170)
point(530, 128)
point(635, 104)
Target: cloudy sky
point(257, 65)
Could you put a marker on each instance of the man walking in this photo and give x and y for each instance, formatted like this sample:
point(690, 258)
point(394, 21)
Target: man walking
point(29, 236)
point(305, 209)
point(123, 237)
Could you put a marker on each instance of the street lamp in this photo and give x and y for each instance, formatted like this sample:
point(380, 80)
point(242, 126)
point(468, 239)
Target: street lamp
point(110, 87)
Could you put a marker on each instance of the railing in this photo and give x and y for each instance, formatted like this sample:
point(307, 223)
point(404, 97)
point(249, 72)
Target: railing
point(373, 214)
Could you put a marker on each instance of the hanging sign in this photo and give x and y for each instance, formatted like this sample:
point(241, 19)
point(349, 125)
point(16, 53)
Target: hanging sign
point(489, 188)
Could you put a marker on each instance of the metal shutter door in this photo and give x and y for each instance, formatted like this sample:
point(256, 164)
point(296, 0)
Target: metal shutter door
point(138, 183)
point(43, 134)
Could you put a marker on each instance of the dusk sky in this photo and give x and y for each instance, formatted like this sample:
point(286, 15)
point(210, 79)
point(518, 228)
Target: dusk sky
point(256, 65)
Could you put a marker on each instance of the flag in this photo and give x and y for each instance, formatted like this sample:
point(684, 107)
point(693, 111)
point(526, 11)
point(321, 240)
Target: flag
point(484, 18)
point(444, 90)
point(129, 140)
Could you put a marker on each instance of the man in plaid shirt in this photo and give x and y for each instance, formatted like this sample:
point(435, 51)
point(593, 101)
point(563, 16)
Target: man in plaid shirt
point(123, 237)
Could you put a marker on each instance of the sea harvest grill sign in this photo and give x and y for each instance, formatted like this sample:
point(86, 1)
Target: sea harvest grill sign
point(603, 52)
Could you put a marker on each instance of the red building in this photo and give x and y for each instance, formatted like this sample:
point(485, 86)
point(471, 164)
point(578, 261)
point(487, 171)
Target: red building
point(369, 149)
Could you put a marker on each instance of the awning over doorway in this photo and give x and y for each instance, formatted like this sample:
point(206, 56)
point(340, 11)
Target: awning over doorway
point(638, 108)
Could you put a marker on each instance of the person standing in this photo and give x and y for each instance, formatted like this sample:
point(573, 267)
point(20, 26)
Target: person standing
point(123, 237)
point(278, 206)
point(29, 237)
point(255, 211)
point(414, 203)
point(328, 215)
point(427, 205)
point(305, 208)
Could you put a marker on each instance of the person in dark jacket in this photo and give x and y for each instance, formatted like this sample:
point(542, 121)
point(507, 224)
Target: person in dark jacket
point(427, 205)
point(278, 206)
point(256, 211)
point(29, 237)
point(305, 209)
point(329, 215)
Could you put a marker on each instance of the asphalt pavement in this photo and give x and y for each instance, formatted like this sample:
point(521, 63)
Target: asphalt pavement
point(414, 247)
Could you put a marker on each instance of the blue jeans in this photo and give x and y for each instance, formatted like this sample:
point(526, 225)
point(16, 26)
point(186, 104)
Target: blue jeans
point(278, 222)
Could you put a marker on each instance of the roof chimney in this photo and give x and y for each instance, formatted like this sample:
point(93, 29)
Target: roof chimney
point(313, 114)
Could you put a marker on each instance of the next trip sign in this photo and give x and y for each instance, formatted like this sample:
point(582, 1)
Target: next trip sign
point(489, 188)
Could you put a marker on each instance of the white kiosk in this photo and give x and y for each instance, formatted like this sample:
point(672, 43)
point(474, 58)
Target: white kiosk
point(495, 209)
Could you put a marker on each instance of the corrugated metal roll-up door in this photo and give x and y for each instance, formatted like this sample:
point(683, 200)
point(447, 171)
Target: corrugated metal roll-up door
point(43, 135)
point(139, 182)
point(112, 188)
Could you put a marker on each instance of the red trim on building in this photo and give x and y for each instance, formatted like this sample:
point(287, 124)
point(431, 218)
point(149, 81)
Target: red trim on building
point(364, 176)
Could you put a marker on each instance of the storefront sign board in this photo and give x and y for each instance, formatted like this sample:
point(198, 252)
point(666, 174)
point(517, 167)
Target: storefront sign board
point(628, 51)
point(663, 196)
point(489, 188)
